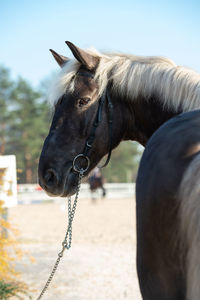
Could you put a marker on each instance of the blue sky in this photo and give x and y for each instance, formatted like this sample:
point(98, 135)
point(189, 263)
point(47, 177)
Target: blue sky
point(29, 28)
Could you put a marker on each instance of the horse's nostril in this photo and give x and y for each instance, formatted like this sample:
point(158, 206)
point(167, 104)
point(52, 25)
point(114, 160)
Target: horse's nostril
point(51, 178)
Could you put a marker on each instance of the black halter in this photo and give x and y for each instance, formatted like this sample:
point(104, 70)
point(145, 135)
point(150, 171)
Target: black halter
point(88, 145)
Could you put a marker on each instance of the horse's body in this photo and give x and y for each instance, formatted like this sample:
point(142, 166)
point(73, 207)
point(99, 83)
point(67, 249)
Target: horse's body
point(145, 93)
point(168, 211)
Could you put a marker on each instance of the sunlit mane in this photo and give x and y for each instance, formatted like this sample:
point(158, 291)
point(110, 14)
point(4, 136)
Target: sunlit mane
point(132, 76)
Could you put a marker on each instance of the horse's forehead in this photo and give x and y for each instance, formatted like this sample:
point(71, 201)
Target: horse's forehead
point(84, 84)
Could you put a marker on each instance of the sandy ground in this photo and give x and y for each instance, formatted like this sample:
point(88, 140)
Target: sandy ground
point(101, 262)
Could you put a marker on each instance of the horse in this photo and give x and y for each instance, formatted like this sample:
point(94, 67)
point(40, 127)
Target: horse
point(95, 181)
point(168, 211)
point(100, 99)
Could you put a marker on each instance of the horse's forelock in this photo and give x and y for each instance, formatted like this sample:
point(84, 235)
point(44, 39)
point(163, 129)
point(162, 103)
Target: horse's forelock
point(63, 81)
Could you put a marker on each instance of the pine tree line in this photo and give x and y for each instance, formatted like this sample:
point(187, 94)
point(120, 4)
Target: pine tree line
point(24, 123)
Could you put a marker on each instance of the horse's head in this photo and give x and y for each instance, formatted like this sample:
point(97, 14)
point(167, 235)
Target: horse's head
point(78, 108)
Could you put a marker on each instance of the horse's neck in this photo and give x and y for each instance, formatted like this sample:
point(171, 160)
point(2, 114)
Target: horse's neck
point(177, 87)
point(149, 116)
point(144, 118)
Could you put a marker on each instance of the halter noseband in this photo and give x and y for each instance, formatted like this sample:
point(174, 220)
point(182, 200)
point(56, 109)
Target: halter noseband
point(89, 142)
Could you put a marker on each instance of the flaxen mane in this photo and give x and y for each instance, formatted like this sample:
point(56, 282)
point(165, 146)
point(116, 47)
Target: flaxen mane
point(177, 87)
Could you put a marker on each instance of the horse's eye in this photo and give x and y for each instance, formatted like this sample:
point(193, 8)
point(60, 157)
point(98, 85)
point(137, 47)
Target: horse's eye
point(83, 101)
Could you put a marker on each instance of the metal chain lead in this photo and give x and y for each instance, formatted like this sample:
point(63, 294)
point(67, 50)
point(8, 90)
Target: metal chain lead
point(66, 244)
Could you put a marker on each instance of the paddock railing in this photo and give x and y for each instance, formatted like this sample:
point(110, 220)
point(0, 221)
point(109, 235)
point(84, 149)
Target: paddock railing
point(32, 193)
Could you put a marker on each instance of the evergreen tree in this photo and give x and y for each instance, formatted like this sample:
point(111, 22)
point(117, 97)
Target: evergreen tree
point(6, 86)
point(124, 163)
point(28, 129)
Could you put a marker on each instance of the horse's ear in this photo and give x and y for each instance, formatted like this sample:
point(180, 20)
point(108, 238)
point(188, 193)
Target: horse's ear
point(86, 59)
point(61, 60)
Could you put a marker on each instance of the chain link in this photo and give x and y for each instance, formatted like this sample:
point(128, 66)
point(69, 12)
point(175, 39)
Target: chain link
point(66, 244)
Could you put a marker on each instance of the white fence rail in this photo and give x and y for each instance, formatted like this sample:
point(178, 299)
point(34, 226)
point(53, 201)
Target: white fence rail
point(31, 193)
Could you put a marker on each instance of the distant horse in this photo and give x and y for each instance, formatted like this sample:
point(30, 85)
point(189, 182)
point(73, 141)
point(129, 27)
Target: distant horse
point(95, 181)
point(168, 211)
point(100, 100)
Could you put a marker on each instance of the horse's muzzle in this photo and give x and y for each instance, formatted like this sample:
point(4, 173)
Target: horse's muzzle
point(58, 182)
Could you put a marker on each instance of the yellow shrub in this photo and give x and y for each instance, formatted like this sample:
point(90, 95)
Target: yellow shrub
point(9, 253)
point(9, 250)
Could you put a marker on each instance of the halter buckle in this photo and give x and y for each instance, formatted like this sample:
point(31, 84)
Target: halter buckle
point(77, 166)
